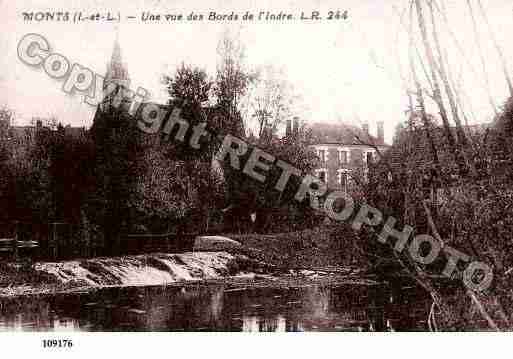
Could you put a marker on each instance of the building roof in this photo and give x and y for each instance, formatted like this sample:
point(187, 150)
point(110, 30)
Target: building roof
point(342, 133)
point(23, 131)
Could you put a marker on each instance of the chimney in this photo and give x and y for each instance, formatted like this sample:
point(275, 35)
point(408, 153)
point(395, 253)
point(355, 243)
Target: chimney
point(295, 127)
point(365, 128)
point(288, 130)
point(381, 132)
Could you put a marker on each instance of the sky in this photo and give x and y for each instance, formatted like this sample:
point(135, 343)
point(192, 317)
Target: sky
point(344, 70)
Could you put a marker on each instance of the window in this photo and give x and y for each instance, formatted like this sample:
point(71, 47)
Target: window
point(369, 157)
point(322, 155)
point(343, 179)
point(322, 174)
point(343, 157)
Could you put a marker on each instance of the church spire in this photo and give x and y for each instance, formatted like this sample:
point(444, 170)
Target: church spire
point(116, 52)
point(116, 69)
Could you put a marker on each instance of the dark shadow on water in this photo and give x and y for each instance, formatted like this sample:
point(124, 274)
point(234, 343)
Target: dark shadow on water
point(219, 308)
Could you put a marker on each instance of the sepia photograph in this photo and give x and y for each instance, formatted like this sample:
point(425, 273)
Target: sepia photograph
point(255, 166)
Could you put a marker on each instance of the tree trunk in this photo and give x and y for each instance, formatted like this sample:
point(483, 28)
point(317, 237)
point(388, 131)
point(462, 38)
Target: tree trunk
point(437, 92)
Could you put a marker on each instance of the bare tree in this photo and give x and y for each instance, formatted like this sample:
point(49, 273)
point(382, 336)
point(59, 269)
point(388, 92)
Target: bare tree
point(272, 99)
point(481, 57)
point(437, 94)
point(232, 81)
point(497, 47)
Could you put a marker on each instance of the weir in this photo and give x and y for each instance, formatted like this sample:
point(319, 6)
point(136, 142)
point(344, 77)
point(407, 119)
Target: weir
point(150, 269)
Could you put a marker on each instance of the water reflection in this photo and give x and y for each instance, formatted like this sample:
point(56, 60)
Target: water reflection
point(214, 308)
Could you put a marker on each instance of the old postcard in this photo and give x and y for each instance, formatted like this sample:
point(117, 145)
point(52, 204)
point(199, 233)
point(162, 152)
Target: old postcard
point(255, 166)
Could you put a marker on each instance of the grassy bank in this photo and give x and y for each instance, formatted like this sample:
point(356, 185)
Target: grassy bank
point(309, 249)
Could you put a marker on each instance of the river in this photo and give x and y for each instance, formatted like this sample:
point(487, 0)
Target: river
point(219, 307)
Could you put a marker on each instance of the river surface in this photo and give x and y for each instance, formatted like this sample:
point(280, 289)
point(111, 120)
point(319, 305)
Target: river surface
point(219, 307)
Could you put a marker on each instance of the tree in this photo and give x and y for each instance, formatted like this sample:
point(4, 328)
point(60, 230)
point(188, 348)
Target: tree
point(190, 170)
point(6, 116)
point(469, 213)
point(247, 195)
point(271, 100)
point(189, 85)
point(119, 147)
point(232, 82)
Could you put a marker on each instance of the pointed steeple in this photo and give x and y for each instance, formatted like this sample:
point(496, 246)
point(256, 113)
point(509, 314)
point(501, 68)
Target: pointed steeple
point(116, 69)
point(116, 52)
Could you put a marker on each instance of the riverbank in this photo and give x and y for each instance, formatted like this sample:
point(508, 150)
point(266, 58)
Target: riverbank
point(135, 270)
point(37, 283)
point(307, 255)
point(293, 279)
point(309, 249)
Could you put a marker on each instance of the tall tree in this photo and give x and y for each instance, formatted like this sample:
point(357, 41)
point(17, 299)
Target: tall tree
point(434, 66)
point(232, 81)
point(271, 100)
point(189, 84)
point(118, 166)
point(190, 87)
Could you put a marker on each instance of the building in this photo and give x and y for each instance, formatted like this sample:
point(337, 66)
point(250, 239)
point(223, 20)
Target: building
point(24, 134)
point(117, 78)
point(345, 152)
point(116, 75)
point(117, 71)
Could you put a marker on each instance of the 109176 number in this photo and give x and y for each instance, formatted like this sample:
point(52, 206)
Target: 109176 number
point(57, 343)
